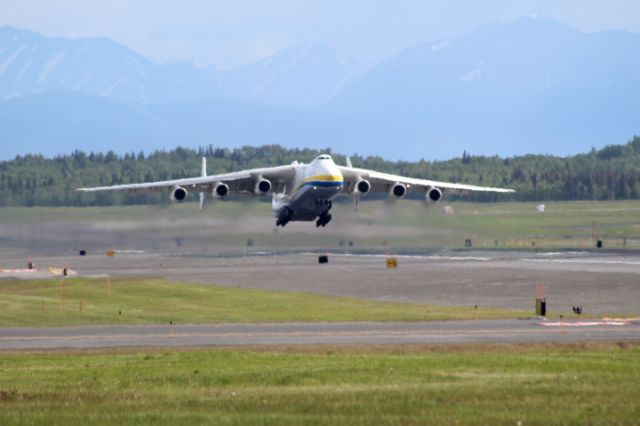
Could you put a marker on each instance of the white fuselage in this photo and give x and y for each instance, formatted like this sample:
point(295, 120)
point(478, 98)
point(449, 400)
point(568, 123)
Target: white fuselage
point(313, 188)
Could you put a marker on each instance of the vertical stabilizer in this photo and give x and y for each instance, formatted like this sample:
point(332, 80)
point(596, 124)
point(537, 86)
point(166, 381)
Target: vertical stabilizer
point(204, 167)
point(203, 173)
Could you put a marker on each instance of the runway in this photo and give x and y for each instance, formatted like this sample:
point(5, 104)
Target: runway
point(357, 333)
point(602, 283)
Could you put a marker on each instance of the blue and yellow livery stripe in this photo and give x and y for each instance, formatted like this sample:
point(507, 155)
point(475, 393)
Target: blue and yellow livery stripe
point(324, 180)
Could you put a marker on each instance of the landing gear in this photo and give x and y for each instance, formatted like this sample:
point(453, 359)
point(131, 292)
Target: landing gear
point(327, 203)
point(323, 219)
point(284, 217)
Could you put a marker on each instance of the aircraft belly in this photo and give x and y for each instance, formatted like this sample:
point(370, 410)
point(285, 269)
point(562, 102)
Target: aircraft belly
point(305, 204)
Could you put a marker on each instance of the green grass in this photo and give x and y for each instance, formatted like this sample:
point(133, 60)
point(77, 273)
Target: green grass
point(153, 301)
point(519, 225)
point(592, 384)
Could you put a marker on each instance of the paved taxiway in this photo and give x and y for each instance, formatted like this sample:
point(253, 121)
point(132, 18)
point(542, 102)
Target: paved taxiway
point(452, 332)
point(600, 282)
point(603, 283)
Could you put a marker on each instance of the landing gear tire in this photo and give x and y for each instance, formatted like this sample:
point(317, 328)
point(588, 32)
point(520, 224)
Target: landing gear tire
point(323, 220)
point(282, 222)
point(284, 217)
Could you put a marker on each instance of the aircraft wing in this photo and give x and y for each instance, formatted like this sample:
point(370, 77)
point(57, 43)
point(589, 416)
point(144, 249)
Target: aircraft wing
point(242, 182)
point(383, 182)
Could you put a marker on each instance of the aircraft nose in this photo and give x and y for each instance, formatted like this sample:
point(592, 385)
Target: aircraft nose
point(333, 170)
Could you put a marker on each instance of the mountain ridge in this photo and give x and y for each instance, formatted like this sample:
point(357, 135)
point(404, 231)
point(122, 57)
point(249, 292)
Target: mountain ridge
point(529, 85)
point(31, 63)
point(526, 83)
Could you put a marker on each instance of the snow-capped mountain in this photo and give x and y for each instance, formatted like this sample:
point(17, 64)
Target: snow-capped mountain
point(309, 74)
point(31, 63)
point(532, 85)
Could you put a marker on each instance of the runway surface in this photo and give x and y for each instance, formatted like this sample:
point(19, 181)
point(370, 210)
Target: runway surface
point(603, 283)
point(493, 331)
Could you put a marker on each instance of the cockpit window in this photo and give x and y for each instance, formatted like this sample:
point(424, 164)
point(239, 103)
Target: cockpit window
point(324, 157)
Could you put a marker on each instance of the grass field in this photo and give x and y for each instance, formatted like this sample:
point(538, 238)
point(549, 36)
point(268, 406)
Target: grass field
point(569, 225)
point(154, 301)
point(513, 385)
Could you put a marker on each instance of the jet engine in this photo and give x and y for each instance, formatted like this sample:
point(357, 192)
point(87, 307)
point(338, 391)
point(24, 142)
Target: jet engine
point(398, 190)
point(220, 190)
point(178, 194)
point(433, 195)
point(362, 187)
point(262, 187)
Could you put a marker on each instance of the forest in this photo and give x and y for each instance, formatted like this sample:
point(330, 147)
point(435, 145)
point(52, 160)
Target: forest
point(611, 173)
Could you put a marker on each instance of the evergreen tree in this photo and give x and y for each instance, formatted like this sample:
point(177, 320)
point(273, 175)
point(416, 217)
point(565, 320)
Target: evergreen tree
point(610, 173)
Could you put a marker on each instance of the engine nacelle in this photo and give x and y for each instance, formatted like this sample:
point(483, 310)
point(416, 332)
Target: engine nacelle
point(262, 187)
point(433, 195)
point(178, 195)
point(362, 187)
point(398, 190)
point(220, 190)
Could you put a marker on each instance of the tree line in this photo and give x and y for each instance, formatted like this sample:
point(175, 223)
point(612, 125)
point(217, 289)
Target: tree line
point(611, 173)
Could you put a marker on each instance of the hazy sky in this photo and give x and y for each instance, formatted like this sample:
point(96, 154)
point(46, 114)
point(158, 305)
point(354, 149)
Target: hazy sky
point(229, 33)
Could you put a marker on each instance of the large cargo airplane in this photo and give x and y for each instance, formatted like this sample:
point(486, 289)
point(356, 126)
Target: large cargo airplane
point(300, 192)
